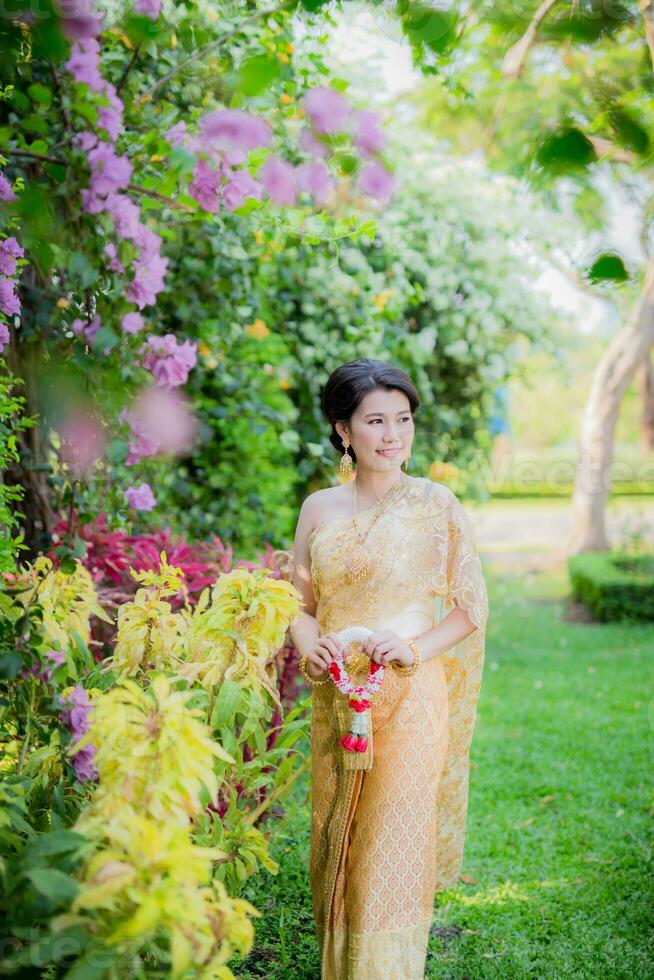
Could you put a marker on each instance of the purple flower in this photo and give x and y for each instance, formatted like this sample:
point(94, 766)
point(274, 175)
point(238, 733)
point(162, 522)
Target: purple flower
point(110, 117)
point(327, 109)
point(6, 193)
point(9, 301)
point(204, 186)
point(79, 19)
point(169, 361)
point(370, 137)
point(150, 8)
point(125, 214)
point(132, 323)
point(148, 242)
point(85, 329)
point(177, 134)
point(278, 178)
point(240, 184)
point(84, 63)
point(10, 250)
point(114, 264)
point(148, 281)
point(310, 143)
point(141, 497)
point(85, 140)
point(109, 172)
point(316, 179)
point(376, 181)
point(4, 335)
point(77, 719)
point(233, 129)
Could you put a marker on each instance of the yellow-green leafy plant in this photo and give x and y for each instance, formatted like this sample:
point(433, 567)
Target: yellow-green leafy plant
point(236, 636)
point(149, 631)
point(67, 601)
point(146, 877)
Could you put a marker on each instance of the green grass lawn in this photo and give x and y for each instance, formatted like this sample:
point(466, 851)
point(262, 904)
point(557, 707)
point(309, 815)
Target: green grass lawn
point(561, 817)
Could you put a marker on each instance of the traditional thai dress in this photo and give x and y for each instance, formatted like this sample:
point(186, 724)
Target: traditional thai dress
point(388, 825)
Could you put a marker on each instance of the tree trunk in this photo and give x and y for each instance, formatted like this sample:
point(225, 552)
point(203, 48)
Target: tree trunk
point(645, 386)
point(627, 351)
point(35, 511)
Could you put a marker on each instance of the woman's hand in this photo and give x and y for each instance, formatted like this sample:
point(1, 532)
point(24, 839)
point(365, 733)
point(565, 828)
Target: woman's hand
point(384, 646)
point(319, 659)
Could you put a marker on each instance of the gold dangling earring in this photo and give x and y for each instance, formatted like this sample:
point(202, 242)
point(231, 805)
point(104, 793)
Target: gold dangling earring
point(406, 463)
point(345, 468)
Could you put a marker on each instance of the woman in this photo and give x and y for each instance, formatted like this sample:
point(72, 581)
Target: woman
point(388, 552)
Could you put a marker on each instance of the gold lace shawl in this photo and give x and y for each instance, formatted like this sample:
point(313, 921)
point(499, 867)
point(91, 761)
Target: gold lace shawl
point(421, 546)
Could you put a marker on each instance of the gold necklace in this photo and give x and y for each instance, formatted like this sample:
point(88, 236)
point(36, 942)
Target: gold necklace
point(355, 557)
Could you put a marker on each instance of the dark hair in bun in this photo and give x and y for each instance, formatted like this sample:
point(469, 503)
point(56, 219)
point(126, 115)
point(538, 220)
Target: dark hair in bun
point(348, 385)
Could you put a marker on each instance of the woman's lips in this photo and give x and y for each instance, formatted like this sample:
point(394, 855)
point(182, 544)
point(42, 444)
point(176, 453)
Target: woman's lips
point(388, 452)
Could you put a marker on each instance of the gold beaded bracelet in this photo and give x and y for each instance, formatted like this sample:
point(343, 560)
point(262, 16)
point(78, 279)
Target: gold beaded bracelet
point(307, 676)
point(412, 668)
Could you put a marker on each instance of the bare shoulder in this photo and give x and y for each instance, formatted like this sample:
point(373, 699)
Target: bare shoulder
point(327, 504)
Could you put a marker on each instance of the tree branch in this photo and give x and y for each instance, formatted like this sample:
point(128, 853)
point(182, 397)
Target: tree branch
point(160, 197)
point(130, 65)
point(515, 57)
point(201, 52)
point(617, 154)
point(36, 156)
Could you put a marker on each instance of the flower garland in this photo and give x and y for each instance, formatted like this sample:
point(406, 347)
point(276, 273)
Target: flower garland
point(359, 699)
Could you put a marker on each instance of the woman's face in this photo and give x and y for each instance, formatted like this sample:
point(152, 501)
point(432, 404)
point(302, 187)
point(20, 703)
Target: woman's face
point(380, 430)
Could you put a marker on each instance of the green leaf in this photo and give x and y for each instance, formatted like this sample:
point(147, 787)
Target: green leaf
point(257, 74)
point(54, 884)
point(56, 842)
point(105, 337)
point(80, 267)
point(10, 665)
point(34, 124)
point(117, 451)
point(181, 160)
point(39, 93)
point(227, 704)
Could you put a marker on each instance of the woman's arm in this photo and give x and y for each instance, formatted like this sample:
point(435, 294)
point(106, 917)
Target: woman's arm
point(452, 629)
point(304, 629)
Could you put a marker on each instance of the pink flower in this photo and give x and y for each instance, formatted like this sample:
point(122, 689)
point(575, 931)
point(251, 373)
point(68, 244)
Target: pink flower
point(4, 335)
point(6, 193)
point(376, 181)
point(327, 109)
point(310, 143)
point(78, 720)
point(169, 361)
point(10, 250)
point(370, 137)
point(148, 281)
point(110, 117)
point(278, 178)
point(316, 179)
point(145, 444)
point(109, 172)
point(233, 129)
point(204, 186)
point(149, 8)
point(85, 329)
point(165, 415)
point(9, 301)
point(161, 422)
point(84, 63)
point(240, 184)
point(114, 264)
point(132, 323)
point(177, 134)
point(82, 441)
point(141, 497)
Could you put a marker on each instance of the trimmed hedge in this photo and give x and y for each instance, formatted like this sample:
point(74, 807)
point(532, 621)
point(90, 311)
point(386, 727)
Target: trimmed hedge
point(613, 585)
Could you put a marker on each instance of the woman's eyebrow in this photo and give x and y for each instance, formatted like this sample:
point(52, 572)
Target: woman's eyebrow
point(404, 411)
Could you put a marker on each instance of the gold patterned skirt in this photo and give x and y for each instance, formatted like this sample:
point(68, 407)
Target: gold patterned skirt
point(373, 863)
